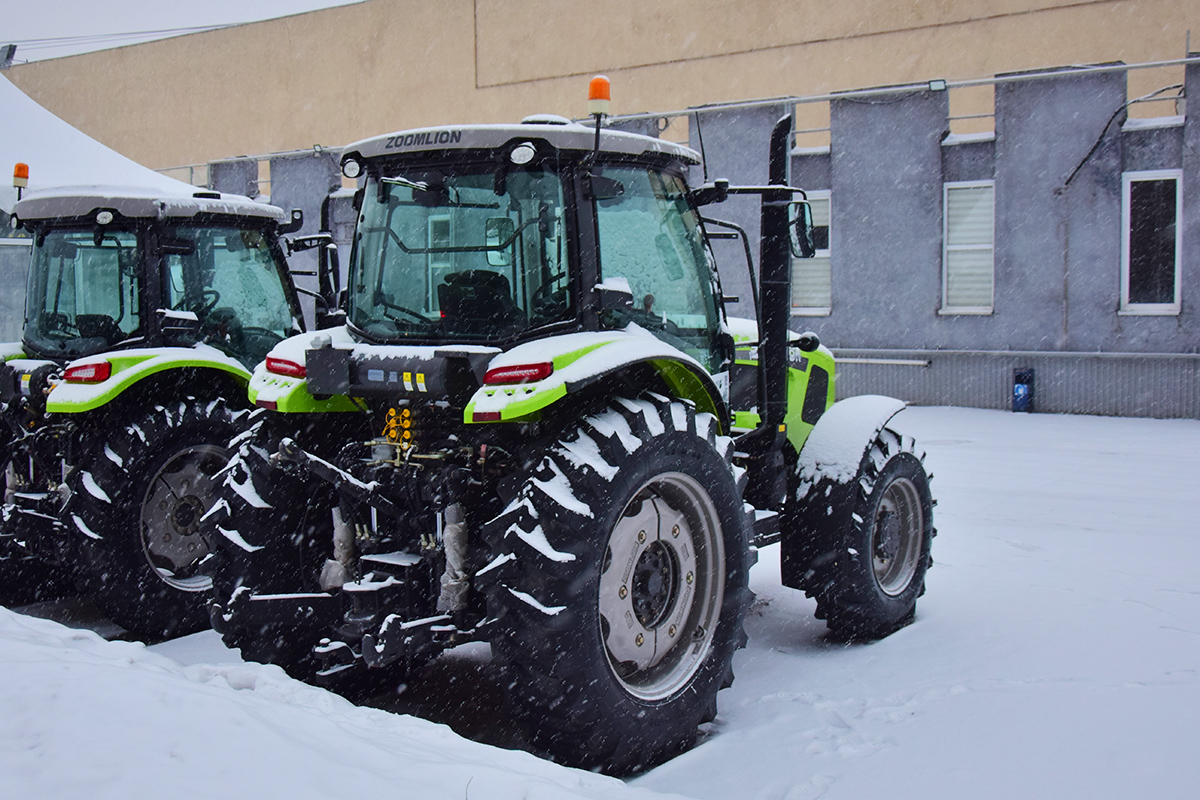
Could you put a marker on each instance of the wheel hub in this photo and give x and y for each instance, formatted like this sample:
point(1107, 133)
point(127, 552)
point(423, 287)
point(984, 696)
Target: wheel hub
point(178, 496)
point(655, 579)
point(896, 536)
point(888, 541)
point(660, 592)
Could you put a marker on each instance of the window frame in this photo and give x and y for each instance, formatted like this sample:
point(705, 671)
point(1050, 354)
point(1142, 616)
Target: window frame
point(1128, 308)
point(826, 310)
point(946, 308)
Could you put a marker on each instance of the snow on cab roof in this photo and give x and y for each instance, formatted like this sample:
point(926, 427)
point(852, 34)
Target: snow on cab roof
point(558, 132)
point(139, 201)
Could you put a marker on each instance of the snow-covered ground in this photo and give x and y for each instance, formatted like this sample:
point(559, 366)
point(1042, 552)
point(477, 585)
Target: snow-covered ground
point(1056, 654)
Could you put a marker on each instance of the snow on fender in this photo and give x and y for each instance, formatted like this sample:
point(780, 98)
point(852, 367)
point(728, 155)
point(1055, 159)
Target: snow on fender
point(836, 446)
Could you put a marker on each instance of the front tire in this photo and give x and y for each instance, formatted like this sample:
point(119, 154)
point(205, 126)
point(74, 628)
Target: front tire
point(619, 586)
point(861, 548)
point(138, 497)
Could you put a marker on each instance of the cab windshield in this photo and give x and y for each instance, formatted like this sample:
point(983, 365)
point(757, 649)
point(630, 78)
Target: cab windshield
point(650, 238)
point(221, 285)
point(472, 253)
point(84, 292)
point(229, 279)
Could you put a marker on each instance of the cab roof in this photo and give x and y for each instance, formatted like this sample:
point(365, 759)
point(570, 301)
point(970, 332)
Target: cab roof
point(139, 202)
point(558, 132)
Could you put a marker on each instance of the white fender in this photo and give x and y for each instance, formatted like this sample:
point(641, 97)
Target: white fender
point(840, 439)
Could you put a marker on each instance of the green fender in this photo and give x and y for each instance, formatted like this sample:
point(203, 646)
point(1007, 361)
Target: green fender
point(578, 359)
point(289, 394)
point(132, 366)
point(797, 389)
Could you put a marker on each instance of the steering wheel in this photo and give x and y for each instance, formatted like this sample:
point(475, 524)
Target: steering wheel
point(549, 299)
point(208, 301)
point(389, 306)
point(59, 326)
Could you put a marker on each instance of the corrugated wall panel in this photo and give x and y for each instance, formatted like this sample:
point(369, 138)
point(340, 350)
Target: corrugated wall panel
point(1130, 385)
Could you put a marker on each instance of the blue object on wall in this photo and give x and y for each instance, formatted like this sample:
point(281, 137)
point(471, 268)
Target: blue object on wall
point(1022, 398)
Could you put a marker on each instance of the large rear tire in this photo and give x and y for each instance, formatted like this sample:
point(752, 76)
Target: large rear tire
point(139, 494)
point(266, 520)
point(619, 586)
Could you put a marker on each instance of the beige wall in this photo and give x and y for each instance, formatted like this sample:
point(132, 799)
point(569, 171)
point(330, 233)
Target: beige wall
point(330, 77)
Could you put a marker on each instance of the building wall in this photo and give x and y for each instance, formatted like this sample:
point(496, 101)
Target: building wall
point(334, 76)
point(1061, 146)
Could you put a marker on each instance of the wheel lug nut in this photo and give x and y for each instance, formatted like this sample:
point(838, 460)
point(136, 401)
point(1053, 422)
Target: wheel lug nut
point(166, 537)
point(623, 593)
point(672, 630)
point(641, 536)
point(674, 530)
point(639, 640)
point(690, 578)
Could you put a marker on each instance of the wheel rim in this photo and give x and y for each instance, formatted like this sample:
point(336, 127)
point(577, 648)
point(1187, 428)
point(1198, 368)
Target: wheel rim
point(180, 493)
point(896, 536)
point(662, 586)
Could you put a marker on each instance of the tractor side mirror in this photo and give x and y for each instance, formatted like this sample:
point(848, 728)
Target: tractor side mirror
point(294, 224)
point(800, 228)
point(499, 233)
point(709, 193)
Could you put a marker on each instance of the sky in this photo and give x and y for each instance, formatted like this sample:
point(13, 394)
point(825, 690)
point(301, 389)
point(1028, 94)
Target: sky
point(1054, 655)
point(89, 25)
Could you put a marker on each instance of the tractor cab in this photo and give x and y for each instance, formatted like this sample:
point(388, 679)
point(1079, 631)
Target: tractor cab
point(131, 271)
point(502, 234)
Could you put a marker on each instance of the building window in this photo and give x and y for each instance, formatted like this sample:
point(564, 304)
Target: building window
point(1151, 241)
point(968, 245)
point(812, 293)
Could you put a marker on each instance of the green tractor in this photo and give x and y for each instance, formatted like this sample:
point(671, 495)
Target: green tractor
point(145, 313)
point(538, 429)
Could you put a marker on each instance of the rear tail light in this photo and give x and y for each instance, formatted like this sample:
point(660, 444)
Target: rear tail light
point(96, 372)
point(520, 373)
point(281, 366)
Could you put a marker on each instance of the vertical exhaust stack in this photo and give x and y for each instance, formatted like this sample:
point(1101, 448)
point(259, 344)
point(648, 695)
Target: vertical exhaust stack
point(775, 281)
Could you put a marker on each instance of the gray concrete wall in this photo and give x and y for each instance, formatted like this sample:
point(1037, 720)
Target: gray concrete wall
point(735, 145)
point(234, 176)
point(1189, 325)
point(1057, 158)
point(304, 180)
point(1133, 385)
point(968, 160)
point(886, 220)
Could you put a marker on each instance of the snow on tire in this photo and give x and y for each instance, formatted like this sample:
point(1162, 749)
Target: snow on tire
point(138, 495)
point(861, 549)
point(262, 516)
point(618, 585)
